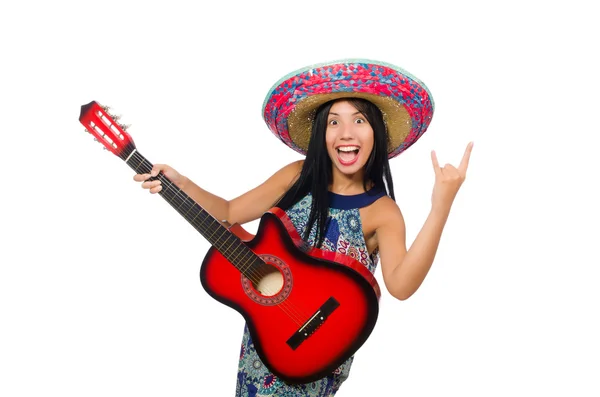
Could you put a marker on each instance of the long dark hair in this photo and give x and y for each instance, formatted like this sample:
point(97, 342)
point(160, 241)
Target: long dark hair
point(316, 174)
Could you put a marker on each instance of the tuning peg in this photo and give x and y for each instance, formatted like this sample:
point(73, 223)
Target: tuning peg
point(88, 131)
point(124, 126)
point(115, 117)
point(105, 108)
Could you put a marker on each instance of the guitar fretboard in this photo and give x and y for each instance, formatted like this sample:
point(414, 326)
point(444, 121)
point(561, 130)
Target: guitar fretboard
point(227, 243)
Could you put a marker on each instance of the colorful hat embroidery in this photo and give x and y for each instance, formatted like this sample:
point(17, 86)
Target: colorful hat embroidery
point(406, 103)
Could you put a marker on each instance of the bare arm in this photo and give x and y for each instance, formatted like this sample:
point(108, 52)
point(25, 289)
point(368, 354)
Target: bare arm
point(404, 272)
point(245, 208)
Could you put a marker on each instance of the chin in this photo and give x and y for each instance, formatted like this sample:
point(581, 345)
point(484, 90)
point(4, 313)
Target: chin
point(350, 169)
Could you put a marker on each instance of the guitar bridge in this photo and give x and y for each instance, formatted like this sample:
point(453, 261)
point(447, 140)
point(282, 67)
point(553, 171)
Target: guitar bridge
point(315, 321)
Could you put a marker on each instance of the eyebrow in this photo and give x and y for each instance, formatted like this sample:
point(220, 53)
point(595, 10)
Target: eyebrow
point(353, 114)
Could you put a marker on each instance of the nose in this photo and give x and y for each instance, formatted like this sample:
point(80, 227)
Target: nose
point(347, 131)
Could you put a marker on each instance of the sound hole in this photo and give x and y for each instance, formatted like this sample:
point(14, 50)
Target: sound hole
point(268, 280)
point(270, 283)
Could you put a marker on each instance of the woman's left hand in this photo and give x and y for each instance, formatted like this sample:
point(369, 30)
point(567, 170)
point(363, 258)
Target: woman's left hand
point(448, 180)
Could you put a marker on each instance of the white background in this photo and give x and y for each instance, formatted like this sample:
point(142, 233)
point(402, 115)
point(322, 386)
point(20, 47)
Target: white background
point(99, 286)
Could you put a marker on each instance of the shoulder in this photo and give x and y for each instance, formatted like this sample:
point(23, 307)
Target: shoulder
point(384, 211)
point(291, 168)
point(388, 226)
point(295, 166)
point(385, 203)
point(283, 178)
point(381, 218)
point(290, 172)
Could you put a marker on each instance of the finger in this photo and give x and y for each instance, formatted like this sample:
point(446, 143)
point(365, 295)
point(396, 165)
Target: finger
point(141, 177)
point(156, 189)
point(150, 184)
point(157, 168)
point(449, 167)
point(451, 172)
point(445, 169)
point(436, 164)
point(464, 163)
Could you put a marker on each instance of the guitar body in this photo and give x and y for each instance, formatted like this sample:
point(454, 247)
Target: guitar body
point(308, 310)
point(310, 279)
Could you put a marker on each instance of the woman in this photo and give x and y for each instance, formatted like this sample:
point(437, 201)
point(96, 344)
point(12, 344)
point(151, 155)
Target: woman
point(349, 118)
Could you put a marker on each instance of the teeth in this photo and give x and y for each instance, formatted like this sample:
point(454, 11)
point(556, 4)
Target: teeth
point(348, 148)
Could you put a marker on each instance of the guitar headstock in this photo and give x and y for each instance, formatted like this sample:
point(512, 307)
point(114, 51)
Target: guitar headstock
point(98, 122)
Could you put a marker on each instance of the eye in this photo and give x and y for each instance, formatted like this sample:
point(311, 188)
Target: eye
point(360, 121)
point(333, 122)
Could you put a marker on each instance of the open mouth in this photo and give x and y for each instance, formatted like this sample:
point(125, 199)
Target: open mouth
point(347, 155)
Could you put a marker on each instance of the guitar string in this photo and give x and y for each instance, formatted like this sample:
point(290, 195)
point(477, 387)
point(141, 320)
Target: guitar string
point(287, 307)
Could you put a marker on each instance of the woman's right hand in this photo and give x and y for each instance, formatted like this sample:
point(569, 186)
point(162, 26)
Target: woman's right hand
point(155, 185)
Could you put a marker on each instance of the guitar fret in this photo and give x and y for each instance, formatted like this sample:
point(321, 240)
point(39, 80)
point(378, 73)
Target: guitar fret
point(183, 202)
point(230, 244)
point(249, 263)
point(235, 259)
point(191, 207)
point(244, 261)
point(226, 237)
point(140, 163)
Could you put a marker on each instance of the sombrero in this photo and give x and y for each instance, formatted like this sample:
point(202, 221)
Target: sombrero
point(406, 103)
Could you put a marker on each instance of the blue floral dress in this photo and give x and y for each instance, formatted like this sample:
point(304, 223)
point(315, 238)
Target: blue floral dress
point(344, 234)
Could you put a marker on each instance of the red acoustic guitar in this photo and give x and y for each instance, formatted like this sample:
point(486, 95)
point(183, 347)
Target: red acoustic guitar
point(308, 310)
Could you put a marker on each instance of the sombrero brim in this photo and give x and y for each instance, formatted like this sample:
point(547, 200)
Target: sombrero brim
point(406, 103)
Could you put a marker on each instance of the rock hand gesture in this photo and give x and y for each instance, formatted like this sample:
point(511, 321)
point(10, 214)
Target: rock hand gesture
point(448, 179)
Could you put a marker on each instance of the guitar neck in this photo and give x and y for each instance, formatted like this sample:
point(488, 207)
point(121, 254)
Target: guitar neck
point(113, 136)
point(210, 228)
